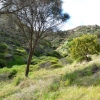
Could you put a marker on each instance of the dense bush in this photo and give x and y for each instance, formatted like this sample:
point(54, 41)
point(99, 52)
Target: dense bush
point(2, 56)
point(83, 46)
point(69, 60)
point(2, 63)
point(56, 66)
point(54, 54)
point(80, 59)
point(20, 52)
point(3, 49)
point(37, 53)
point(12, 73)
point(16, 60)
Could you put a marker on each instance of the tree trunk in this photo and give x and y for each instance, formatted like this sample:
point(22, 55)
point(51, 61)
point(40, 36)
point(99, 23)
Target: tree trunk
point(28, 63)
point(30, 56)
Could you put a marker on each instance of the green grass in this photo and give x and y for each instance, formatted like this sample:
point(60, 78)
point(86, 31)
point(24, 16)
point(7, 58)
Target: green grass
point(72, 82)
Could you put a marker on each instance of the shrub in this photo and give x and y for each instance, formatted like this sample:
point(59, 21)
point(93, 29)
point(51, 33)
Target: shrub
point(37, 53)
point(41, 59)
point(54, 61)
point(69, 60)
point(56, 66)
point(17, 80)
point(80, 59)
point(83, 46)
point(20, 52)
point(12, 73)
point(2, 56)
point(3, 47)
point(34, 68)
point(2, 63)
point(16, 60)
point(54, 54)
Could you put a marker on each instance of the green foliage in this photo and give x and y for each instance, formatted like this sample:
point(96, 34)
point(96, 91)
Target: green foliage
point(2, 56)
point(17, 80)
point(54, 61)
point(54, 54)
point(80, 59)
point(20, 52)
point(2, 63)
point(37, 60)
point(51, 95)
point(56, 66)
point(75, 79)
point(34, 68)
point(36, 53)
point(83, 46)
point(3, 47)
point(77, 75)
point(16, 60)
point(98, 47)
point(69, 60)
point(44, 62)
point(12, 73)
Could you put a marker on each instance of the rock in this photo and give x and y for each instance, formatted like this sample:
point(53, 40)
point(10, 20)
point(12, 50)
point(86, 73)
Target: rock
point(45, 64)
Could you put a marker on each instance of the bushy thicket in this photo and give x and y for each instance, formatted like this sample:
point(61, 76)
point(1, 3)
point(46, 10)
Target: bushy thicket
point(81, 47)
point(3, 48)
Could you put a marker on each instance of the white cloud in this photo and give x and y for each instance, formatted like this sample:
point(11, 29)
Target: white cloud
point(82, 12)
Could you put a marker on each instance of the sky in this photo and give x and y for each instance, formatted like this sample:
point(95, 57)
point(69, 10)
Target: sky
point(82, 12)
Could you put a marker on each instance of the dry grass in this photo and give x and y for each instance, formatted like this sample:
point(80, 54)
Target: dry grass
point(49, 84)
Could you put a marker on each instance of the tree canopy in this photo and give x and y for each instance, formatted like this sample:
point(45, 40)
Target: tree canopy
point(81, 47)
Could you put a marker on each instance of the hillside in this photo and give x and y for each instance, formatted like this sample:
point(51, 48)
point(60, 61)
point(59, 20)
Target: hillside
point(52, 75)
point(51, 45)
point(76, 32)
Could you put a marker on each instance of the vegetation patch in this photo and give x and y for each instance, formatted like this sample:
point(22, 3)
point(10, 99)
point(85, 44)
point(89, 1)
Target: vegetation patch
point(56, 66)
point(82, 47)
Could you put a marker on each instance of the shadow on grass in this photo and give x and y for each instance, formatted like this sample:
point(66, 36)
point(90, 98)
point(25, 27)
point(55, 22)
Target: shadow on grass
point(85, 77)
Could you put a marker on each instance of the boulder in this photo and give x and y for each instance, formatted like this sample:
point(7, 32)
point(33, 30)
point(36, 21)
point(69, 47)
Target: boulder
point(45, 64)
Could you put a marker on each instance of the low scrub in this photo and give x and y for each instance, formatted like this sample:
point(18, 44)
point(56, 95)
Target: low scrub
point(56, 66)
point(83, 46)
point(2, 63)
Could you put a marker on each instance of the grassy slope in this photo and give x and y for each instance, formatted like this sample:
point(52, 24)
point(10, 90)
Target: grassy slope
point(72, 82)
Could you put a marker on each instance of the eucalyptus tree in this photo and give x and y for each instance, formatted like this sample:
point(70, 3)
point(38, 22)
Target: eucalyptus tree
point(35, 18)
